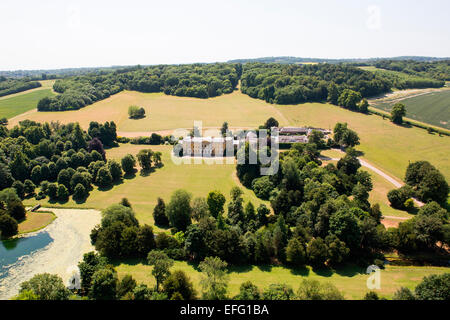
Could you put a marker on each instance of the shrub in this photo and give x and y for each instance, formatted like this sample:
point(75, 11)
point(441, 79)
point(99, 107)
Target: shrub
point(104, 178)
point(8, 226)
point(79, 192)
point(19, 187)
point(159, 214)
point(115, 169)
point(135, 112)
point(62, 193)
point(262, 187)
point(128, 164)
point(52, 191)
point(409, 204)
point(47, 287)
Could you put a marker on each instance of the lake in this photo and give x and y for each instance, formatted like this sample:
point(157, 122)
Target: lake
point(12, 251)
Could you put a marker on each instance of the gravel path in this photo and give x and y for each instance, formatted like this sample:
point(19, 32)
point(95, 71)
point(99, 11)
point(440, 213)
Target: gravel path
point(70, 232)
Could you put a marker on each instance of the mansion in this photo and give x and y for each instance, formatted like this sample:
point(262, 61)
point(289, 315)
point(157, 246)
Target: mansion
point(226, 146)
point(208, 146)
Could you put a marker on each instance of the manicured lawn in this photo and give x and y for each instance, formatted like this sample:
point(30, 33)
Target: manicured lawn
point(165, 112)
point(350, 280)
point(143, 191)
point(18, 104)
point(386, 145)
point(35, 221)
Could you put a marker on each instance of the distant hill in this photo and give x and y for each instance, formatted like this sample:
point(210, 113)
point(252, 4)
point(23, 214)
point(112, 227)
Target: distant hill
point(44, 74)
point(296, 60)
point(59, 73)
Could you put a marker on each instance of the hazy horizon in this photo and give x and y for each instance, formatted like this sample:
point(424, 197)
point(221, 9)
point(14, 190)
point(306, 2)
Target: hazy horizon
point(50, 34)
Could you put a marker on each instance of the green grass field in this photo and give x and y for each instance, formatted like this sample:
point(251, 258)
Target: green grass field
point(18, 104)
point(143, 191)
point(432, 108)
point(350, 280)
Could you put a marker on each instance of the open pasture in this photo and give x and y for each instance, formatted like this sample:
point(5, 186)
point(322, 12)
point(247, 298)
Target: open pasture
point(165, 112)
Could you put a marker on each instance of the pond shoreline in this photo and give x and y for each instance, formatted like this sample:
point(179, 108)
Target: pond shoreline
point(70, 232)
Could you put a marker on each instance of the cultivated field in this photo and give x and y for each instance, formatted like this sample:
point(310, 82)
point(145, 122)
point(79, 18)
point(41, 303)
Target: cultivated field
point(165, 112)
point(143, 191)
point(431, 107)
point(351, 280)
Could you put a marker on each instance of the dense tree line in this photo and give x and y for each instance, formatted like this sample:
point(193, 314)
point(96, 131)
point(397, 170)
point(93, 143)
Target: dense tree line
point(439, 70)
point(55, 160)
point(10, 86)
point(196, 80)
point(401, 80)
point(291, 84)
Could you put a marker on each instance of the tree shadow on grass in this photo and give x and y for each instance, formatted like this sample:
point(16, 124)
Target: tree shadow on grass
point(265, 267)
point(349, 270)
point(240, 268)
point(80, 200)
point(57, 201)
point(323, 271)
point(105, 188)
point(300, 271)
point(129, 176)
point(129, 261)
point(194, 265)
point(403, 125)
point(114, 184)
point(146, 173)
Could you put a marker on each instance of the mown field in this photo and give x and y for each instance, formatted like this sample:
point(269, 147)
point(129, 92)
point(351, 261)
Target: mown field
point(14, 105)
point(143, 191)
point(165, 112)
point(432, 108)
point(350, 280)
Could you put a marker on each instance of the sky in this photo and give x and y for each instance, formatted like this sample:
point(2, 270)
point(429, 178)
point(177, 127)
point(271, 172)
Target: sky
point(50, 34)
